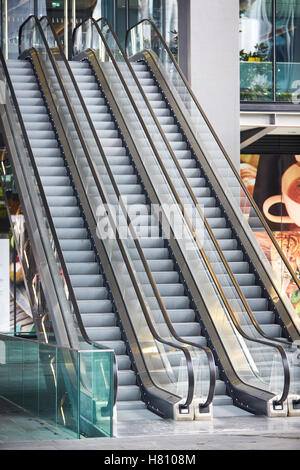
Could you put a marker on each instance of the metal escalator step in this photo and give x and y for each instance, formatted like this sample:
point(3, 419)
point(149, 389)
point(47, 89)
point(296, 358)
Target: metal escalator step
point(53, 170)
point(79, 256)
point(246, 279)
point(72, 211)
point(216, 222)
point(61, 201)
point(71, 233)
point(274, 331)
point(94, 306)
point(266, 317)
point(58, 191)
point(251, 291)
point(222, 400)
point(152, 242)
point(46, 152)
point(200, 340)
point(258, 304)
point(162, 278)
point(83, 268)
point(226, 244)
point(126, 377)
point(188, 329)
point(31, 101)
point(220, 233)
point(195, 173)
point(36, 118)
point(87, 280)
point(38, 126)
point(123, 362)
point(161, 265)
point(32, 109)
point(68, 222)
point(108, 333)
point(20, 85)
point(128, 393)
point(39, 134)
point(55, 180)
point(76, 245)
point(130, 405)
point(239, 267)
point(89, 293)
point(171, 289)
point(234, 255)
point(179, 301)
point(98, 320)
point(97, 316)
point(118, 346)
point(181, 315)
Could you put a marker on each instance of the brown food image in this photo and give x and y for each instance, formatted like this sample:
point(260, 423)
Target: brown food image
point(290, 245)
point(248, 175)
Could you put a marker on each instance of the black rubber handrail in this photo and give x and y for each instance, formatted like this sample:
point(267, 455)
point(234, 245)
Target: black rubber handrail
point(186, 353)
point(223, 150)
point(236, 323)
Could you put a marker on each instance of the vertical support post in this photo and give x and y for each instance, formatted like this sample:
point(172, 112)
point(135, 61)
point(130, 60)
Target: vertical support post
point(6, 29)
point(15, 289)
point(274, 50)
point(73, 15)
point(184, 37)
point(114, 23)
point(127, 15)
point(66, 29)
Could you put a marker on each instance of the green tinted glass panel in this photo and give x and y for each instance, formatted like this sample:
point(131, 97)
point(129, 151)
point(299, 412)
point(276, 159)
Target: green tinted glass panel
point(256, 50)
point(67, 388)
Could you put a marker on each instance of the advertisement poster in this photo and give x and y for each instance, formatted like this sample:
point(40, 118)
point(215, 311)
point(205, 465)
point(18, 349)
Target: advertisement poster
point(274, 182)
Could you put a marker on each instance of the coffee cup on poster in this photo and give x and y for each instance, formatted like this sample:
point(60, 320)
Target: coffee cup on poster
point(290, 197)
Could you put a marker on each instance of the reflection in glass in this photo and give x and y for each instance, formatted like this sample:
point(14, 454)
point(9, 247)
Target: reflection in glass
point(256, 50)
point(123, 14)
point(287, 50)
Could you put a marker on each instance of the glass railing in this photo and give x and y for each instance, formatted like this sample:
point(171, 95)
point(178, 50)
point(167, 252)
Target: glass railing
point(155, 340)
point(46, 380)
point(193, 238)
point(145, 37)
point(257, 81)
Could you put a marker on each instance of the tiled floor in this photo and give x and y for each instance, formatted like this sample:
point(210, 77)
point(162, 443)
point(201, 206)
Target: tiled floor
point(19, 430)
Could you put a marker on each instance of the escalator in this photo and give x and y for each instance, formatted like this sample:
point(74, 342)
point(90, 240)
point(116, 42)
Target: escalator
point(145, 295)
point(195, 146)
point(93, 69)
point(216, 183)
point(95, 306)
point(234, 252)
point(108, 310)
point(161, 262)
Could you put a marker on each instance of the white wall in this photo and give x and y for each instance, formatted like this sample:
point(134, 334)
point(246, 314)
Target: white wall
point(209, 30)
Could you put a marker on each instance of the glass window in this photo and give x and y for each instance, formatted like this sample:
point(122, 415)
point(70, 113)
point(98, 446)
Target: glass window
point(164, 13)
point(126, 13)
point(256, 50)
point(287, 50)
point(17, 14)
